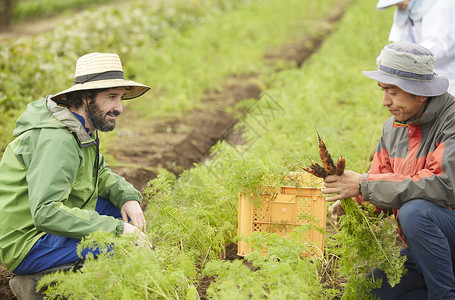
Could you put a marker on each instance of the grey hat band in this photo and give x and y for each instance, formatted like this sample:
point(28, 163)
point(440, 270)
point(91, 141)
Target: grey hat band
point(405, 74)
point(98, 76)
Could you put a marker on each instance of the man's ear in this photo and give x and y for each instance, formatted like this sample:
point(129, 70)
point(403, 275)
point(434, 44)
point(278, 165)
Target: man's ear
point(84, 97)
point(422, 98)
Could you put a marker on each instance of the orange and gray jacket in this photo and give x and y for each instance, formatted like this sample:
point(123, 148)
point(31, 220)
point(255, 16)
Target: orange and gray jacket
point(50, 178)
point(415, 160)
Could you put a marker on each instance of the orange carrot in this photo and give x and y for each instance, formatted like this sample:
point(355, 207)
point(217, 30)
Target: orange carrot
point(328, 167)
point(318, 169)
point(326, 159)
point(311, 171)
point(340, 166)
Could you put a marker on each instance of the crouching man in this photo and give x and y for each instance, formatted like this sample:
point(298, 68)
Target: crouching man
point(54, 186)
point(413, 172)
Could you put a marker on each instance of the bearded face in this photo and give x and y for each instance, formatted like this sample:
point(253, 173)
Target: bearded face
point(102, 110)
point(99, 118)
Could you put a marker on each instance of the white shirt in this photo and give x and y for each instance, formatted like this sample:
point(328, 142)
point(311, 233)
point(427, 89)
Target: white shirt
point(436, 32)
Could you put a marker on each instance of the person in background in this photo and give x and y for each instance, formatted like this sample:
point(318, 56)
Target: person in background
point(54, 186)
point(430, 24)
point(412, 172)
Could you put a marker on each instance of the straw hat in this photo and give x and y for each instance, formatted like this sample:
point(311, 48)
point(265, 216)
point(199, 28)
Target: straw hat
point(411, 68)
point(102, 70)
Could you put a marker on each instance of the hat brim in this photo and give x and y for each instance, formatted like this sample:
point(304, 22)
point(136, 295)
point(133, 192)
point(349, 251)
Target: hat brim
point(133, 89)
point(436, 87)
point(383, 4)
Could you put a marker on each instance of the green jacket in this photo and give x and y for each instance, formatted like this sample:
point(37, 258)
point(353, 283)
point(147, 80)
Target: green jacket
point(48, 182)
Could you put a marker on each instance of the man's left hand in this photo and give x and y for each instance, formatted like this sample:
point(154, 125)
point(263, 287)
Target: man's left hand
point(132, 209)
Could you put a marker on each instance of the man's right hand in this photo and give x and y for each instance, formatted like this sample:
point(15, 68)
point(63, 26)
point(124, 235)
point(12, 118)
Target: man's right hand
point(130, 229)
point(344, 186)
point(336, 210)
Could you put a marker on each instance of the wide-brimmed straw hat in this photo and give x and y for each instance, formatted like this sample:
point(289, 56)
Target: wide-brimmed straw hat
point(410, 67)
point(386, 3)
point(102, 70)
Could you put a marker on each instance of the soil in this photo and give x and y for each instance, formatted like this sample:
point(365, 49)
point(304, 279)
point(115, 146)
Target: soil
point(176, 144)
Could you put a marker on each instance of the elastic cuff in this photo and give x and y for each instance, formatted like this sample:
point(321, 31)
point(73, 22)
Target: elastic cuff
point(363, 184)
point(120, 227)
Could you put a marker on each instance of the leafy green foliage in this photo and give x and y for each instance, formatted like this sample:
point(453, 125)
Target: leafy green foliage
point(126, 272)
point(184, 66)
point(281, 274)
point(43, 8)
point(31, 68)
point(250, 178)
point(366, 240)
point(194, 213)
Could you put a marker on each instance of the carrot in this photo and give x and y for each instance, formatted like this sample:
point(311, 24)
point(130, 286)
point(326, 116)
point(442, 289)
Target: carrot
point(326, 158)
point(318, 169)
point(328, 167)
point(340, 166)
point(311, 171)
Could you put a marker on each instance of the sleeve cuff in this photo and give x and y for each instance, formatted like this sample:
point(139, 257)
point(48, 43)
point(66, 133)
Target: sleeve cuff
point(363, 185)
point(120, 228)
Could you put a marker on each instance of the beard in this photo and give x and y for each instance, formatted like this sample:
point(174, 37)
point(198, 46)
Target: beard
point(97, 117)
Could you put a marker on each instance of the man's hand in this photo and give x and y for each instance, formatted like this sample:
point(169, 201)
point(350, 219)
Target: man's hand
point(133, 210)
point(130, 229)
point(336, 210)
point(345, 186)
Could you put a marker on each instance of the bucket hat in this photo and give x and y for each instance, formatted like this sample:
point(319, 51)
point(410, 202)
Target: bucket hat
point(102, 70)
point(410, 67)
point(386, 3)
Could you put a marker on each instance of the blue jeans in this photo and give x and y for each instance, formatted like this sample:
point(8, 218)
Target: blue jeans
point(430, 232)
point(53, 250)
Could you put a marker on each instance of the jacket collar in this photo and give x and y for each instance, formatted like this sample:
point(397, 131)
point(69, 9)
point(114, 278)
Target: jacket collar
point(65, 116)
point(433, 109)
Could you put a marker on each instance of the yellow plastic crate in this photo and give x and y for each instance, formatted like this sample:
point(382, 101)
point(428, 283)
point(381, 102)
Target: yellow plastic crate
point(280, 213)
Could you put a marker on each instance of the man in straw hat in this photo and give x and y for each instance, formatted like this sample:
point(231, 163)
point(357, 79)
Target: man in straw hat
point(55, 188)
point(412, 172)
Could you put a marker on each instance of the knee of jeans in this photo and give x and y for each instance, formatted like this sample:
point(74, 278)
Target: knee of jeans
point(412, 214)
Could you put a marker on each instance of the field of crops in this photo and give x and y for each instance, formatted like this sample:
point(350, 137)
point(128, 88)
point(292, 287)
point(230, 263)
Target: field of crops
point(185, 50)
point(36, 9)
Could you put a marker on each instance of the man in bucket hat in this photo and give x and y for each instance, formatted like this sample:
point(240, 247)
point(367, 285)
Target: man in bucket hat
point(412, 172)
point(55, 188)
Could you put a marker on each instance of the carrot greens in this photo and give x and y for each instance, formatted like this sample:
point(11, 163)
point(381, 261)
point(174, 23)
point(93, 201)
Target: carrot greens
point(366, 239)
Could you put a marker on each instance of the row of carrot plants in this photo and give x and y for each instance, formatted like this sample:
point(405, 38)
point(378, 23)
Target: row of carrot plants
point(31, 9)
point(31, 68)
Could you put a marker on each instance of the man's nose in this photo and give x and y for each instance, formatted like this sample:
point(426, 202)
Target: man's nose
point(118, 106)
point(386, 101)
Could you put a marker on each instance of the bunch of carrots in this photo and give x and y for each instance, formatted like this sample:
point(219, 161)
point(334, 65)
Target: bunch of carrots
point(365, 239)
point(328, 167)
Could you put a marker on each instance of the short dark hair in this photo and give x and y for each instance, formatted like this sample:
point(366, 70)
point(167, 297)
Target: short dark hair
point(74, 99)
